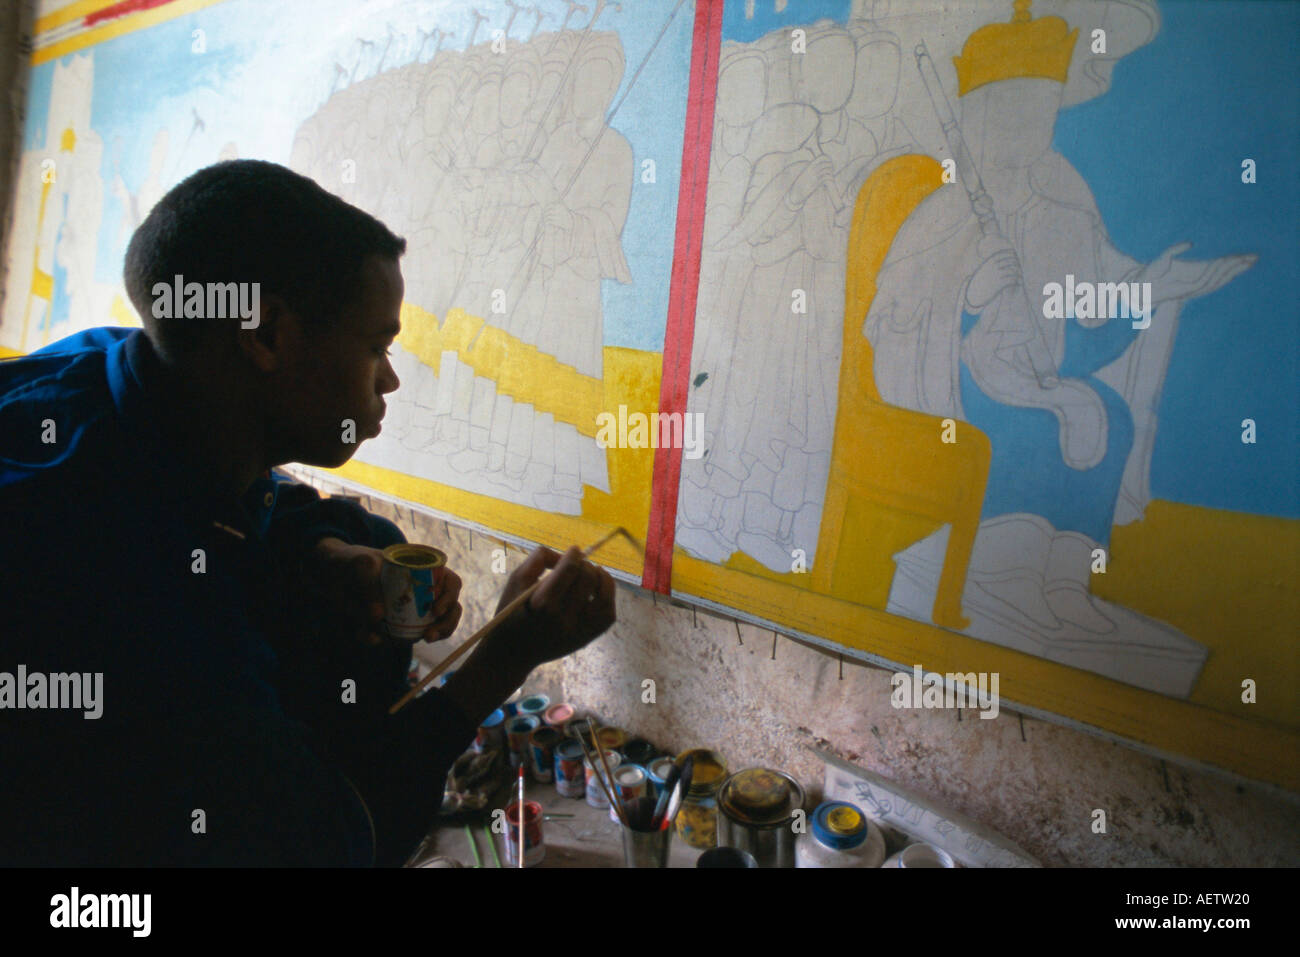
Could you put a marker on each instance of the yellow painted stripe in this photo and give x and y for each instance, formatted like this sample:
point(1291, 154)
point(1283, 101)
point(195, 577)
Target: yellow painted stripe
point(1252, 749)
point(42, 284)
point(116, 28)
point(37, 272)
point(70, 12)
point(631, 378)
point(519, 369)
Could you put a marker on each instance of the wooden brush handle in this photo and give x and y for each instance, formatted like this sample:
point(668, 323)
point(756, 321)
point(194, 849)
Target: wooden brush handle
point(499, 617)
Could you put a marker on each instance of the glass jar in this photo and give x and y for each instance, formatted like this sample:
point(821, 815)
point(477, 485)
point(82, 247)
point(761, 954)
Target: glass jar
point(697, 820)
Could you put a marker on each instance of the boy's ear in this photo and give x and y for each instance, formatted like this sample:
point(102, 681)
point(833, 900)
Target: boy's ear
point(273, 338)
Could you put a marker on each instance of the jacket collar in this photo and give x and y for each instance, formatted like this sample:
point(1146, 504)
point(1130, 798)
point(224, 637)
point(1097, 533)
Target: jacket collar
point(152, 410)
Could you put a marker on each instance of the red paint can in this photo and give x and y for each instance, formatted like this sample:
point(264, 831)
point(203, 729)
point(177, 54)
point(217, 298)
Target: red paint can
point(534, 849)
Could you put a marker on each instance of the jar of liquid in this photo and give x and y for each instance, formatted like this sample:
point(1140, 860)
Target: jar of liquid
point(840, 836)
point(697, 820)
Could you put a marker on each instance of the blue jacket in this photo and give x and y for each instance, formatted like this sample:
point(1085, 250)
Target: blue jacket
point(224, 736)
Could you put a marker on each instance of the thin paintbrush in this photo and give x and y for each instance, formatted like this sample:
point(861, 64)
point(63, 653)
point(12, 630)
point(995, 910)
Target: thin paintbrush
point(492, 843)
point(683, 785)
point(670, 785)
point(591, 759)
point(500, 616)
point(521, 815)
point(614, 792)
point(473, 846)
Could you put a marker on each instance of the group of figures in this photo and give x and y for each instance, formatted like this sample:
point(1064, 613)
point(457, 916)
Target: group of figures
point(511, 190)
point(955, 325)
point(795, 134)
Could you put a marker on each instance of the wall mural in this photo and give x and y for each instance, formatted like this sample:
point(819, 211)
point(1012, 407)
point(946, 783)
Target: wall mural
point(946, 337)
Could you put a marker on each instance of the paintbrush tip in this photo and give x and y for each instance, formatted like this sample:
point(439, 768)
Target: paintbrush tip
point(636, 542)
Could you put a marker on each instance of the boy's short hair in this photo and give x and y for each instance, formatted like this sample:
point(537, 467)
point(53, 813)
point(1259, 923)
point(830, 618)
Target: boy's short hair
point(252, 221)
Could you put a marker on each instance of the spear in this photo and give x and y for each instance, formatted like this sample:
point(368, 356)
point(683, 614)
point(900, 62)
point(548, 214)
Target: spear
point(1017, 299)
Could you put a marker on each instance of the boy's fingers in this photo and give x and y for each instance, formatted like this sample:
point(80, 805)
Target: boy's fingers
point(448, 594)
point(540, 559)
point(444, 627)
point(561, 580)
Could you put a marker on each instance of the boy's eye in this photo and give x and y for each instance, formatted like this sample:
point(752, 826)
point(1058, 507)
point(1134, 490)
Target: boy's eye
point(382, 351)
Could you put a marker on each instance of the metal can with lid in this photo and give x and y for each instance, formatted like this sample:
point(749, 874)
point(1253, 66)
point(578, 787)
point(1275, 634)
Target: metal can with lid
point(639, 751)
point(756, 813)
point(534, 843)
point(656, 773)
point(491, 733)
point(613, 739)
point(697, 819)
point(629, 784)
point(569, 780)
point(535, 704)
point(840, 835)
point(580, 728)
point(541, 748)
point(518, 731)
point(558, 715)
point(595, 774)
point(411, 578)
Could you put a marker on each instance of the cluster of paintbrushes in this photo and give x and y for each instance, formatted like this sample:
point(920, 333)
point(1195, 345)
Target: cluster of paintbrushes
point(643, 813)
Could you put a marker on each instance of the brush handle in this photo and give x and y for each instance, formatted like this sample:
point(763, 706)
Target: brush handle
point(470, 642)
point(497, 619)
point(613, 785)
point(670, 784)
point(683, 785)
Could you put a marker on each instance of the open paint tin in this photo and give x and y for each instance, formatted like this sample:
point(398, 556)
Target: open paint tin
point(756, 809)
point(411, 580)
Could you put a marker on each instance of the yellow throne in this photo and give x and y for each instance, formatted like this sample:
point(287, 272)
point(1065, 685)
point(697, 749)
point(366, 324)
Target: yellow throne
point(888, 458)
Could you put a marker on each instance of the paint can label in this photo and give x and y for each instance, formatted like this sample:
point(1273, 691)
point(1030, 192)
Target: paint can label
point(569, 781)
point(411, 579)
point(541, 747)
point(534, 848)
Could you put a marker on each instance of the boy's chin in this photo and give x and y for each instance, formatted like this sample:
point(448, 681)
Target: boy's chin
point(331, 458)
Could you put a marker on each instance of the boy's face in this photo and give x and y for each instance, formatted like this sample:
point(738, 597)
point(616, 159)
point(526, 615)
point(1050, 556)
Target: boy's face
point(344, 373)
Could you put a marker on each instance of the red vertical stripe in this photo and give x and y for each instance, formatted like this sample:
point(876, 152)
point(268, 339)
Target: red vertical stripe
point(680, 332)
point(121, 9)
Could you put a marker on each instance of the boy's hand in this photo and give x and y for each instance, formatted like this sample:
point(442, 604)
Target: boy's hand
point(570, 608)
point(351, 575)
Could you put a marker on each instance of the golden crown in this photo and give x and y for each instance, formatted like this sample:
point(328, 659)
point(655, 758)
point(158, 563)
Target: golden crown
point(1023, 47)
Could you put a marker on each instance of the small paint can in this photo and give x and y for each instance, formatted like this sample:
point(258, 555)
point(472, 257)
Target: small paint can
point(630, 779)
point(580, 728)
point(558, 715)
point(411, 580)
point(541, 747)
point(535, 704)
point(491, 733)
point(613, 739)
point(534, 849)
point(594, 775)
point(518, 731)
point(656, 772)
point(639, 751)
point(570, 780)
